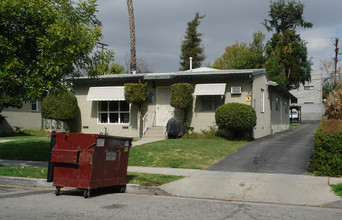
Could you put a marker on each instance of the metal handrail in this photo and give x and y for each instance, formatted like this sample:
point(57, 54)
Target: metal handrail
point(148, 120)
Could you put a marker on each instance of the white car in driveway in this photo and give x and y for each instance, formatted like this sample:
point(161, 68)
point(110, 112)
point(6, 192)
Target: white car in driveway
point(294, 116)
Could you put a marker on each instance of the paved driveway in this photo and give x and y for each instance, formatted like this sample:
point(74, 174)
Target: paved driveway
point(286, 152)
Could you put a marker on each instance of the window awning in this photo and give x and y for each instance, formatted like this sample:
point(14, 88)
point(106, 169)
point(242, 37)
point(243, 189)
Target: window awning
point(108, 93)
point(210, 89)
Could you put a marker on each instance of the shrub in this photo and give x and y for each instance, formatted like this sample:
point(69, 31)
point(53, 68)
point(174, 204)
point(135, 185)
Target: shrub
point(61, 106)
point(181, 97)
point(327, 155)
point(238, 118)
point(211, 133)
point(333, 107)
point(135, 93)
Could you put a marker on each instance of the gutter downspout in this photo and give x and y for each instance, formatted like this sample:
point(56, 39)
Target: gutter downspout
point(252, 100)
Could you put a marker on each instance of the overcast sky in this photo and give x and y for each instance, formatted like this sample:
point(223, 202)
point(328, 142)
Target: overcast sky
point(161, 24)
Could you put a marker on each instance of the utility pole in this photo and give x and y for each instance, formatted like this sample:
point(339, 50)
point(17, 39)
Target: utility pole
point(103, 45)
point(336, 59)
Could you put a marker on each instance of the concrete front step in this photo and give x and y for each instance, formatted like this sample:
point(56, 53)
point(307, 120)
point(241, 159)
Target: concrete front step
point(154, 132)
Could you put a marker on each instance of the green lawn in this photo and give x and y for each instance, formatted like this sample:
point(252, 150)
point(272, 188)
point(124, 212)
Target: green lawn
point(143, 179)
point(337, 189)
point(32, 148)
point(177, 153)
point(183, 153)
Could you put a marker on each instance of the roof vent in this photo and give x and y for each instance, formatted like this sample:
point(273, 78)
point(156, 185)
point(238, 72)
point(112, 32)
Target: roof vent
point(235, 90)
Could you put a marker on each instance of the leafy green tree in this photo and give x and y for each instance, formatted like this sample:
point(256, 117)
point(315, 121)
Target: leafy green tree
point(181, 97)
point(243, 56)
point(136, 93)
point(61, 106)
point(101, 63)
point(40, 43)
point(287, 63)
point(191, 45)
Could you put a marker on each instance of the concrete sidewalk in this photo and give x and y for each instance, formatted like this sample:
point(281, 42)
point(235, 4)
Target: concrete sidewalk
point(223, 185)
point(257, 187)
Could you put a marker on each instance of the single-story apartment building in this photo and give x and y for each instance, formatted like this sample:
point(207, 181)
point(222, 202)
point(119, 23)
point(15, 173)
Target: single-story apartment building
point(104, 109)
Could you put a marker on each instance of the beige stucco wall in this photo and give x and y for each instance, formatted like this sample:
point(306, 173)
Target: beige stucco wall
point(203, 120)
point(23, 117)
point(263, 124)
point(88, 118)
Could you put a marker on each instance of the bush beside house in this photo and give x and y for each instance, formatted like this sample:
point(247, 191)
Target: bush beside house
point(181, 97)
point(61, 106)
point(136, 94)
point(327, 153)
point(237, 118)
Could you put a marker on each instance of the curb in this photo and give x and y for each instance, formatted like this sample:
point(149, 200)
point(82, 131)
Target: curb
point(24, 181)
point(131, 188)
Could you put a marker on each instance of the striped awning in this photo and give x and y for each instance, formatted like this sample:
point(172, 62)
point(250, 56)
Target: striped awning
point(210, 89)
point(108, 93)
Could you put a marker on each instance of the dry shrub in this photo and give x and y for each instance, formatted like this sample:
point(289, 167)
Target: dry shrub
point(333, 108)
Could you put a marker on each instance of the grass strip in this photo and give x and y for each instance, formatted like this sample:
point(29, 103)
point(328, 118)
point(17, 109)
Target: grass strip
point(36, 149)
point(337, 188)
point(143, 179)
point(183, 153)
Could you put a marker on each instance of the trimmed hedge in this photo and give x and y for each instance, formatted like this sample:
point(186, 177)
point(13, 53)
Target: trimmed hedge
point(61, 106)
point(181, 95)
point(236, 117)
point(135, 93)
point(327, 153)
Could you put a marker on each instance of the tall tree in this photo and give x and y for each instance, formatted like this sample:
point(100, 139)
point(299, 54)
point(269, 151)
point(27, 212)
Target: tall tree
point(101, 63)
point(133, 63)
point(287, 63)
point(40, 43)
point(329, 84)
point(243, 56)
point(191, 45)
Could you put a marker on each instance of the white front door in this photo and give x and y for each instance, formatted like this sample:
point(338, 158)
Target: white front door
point(164, 110)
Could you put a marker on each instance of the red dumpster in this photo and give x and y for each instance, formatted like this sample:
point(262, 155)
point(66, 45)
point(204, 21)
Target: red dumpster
point(89, 161)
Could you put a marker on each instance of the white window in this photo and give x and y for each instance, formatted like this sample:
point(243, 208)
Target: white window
point(34, 106)
point(277, 104)
point(113, 112)
point(262, 100)
point(308, 87)
point(211, 103)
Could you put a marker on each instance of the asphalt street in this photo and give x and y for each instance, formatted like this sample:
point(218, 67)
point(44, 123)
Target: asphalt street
point(285, 153)
point(38, 203)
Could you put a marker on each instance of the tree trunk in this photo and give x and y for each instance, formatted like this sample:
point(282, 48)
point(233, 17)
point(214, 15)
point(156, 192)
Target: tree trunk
point(139, 119)
point(133, 63)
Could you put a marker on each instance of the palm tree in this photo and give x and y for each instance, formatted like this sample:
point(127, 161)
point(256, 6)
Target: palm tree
point(133, 63)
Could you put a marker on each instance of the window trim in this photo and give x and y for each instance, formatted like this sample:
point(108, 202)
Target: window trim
point(119, 112)
point(262, 100)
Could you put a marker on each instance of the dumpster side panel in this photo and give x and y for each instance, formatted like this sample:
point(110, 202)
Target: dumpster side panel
point(89, 161)
point(110, 162)
point(73, 160)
